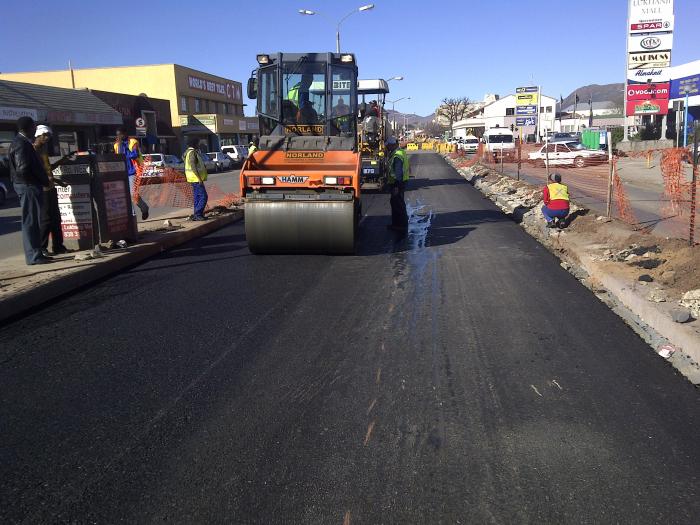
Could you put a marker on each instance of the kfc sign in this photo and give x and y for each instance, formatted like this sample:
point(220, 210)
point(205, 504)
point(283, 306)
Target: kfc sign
point(648, 91)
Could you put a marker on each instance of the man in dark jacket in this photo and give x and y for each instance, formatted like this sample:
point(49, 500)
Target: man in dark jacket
point(29, 178)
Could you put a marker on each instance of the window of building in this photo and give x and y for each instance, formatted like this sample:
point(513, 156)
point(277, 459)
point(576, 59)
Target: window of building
point(197, 107)
point(224, 108)
point(510, 111)
point(183, 104)
point(549, 109)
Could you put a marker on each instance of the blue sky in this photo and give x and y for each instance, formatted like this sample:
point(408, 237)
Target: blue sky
point(442, 48)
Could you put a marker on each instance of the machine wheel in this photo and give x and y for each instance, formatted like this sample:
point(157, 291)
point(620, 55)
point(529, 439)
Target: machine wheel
point(579, 162)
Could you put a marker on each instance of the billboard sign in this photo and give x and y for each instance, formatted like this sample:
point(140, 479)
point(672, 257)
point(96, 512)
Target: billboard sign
point(649, 60)
point(647, 107)
point(648, 91)
point(650, 43)
point(657, 74)
point(680, 87)
point(652, 27)
point(526, 110)
point(646, 15)
point(526, 121)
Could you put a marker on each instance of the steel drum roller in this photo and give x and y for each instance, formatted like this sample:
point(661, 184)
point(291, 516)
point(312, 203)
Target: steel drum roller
point(300, 227)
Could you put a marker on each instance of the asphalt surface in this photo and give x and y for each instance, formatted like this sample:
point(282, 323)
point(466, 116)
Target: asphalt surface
point(458, 375)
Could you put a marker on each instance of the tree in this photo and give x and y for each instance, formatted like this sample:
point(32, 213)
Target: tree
point(453, 109)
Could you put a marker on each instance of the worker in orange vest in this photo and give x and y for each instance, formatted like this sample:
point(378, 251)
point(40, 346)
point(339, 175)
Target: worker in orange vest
point(129, 147)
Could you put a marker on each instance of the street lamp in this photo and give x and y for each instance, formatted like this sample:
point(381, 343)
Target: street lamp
point(394, 78)
point(308, 12)
point(393, 102)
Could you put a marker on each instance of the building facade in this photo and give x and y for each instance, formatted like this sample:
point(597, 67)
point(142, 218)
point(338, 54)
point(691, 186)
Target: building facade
point(206, 106)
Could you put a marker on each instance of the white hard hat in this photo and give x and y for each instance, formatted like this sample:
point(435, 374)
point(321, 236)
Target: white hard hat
point(42, 130)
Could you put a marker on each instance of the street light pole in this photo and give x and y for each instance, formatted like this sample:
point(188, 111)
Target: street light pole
point(393, 111)
point(308, 12)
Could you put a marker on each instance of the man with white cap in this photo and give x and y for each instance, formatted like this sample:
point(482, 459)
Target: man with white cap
point(50, 220)
point(399, 173)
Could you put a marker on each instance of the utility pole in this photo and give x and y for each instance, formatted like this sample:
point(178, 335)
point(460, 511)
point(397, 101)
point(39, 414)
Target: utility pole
point(608, 138)
point(685, 121)
point(694, 185)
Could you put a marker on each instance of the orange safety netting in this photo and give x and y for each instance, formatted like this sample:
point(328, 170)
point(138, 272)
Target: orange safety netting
point(623, 204)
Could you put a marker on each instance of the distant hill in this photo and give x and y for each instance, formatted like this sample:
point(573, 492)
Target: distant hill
point(411, 118)
point(599, 93)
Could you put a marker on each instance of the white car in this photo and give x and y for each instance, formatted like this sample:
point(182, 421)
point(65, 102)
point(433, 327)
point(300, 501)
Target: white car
point(237, 153)
point(469, 144)
point(154, 164)
point(567, 154)
point(223, 162)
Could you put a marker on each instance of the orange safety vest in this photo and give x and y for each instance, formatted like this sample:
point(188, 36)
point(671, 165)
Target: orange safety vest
point(558, 192)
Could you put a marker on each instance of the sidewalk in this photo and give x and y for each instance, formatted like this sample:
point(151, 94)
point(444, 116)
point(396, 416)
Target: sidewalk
point(24, 287)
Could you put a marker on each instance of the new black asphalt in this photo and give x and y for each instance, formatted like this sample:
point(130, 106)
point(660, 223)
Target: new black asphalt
point(458, 375)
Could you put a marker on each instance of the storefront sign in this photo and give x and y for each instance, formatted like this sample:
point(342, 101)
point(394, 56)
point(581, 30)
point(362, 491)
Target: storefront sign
point(75, 206)
point(649, 60)
point(228, 90)
point(647, 43)
point(526, 99)
point(657, 74)
point(15, 113)
point(647, 107)
point(646, 15)
point(681, 87)
point(75, 117)
point(648, 91)
point(526, 121)
point(527, 89)
point(526, 110)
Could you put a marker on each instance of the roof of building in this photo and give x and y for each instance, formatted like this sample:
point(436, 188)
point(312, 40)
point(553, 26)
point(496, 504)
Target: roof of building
point(53, 99)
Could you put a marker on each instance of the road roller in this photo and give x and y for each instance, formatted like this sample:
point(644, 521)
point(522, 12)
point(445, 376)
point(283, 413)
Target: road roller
point(301, 187)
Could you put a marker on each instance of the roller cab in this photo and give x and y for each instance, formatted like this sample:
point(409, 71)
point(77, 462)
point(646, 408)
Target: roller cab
point(302, 186)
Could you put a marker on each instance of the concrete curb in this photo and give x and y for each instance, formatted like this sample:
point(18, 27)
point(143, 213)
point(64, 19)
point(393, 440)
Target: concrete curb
point(47, 291)
point(650, 320)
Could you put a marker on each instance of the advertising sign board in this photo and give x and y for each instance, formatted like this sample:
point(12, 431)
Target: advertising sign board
point(649, 60)
point(647, 107)
point(680, 87)
point(646, 15)
point(650, 43)
point(648, 91)
point(526, 121)
point(525, 110)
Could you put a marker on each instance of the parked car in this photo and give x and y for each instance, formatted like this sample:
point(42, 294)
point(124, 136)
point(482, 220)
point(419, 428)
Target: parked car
point(236, 153)
point(223, 162)
point(567, 154)
point(469, 144)
point(564, 137)
point(154, 164)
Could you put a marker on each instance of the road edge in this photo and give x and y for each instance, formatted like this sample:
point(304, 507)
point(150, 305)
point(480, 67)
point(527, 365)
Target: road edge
point(20, 303)
point(650, 322)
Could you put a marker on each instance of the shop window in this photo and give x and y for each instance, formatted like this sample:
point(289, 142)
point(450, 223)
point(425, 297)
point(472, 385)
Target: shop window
point(510, 112)
point(183, 104)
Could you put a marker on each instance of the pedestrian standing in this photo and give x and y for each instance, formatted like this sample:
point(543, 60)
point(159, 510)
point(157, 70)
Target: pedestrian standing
point(29, 178)
point(399, 173)
point(556, 202)
point(50, 223)
point(196, 174)
point(129, 147)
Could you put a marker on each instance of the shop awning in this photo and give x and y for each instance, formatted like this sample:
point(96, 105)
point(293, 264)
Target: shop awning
point(54, 105)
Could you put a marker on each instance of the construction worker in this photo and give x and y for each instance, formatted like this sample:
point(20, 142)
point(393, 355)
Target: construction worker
point(196, 174)
point(129, 147)
point(556, 202)
point(399, 173)
point(252, 147)
point(50, 221)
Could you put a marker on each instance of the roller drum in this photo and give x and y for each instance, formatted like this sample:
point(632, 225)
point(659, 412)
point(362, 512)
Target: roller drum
point(300, 227)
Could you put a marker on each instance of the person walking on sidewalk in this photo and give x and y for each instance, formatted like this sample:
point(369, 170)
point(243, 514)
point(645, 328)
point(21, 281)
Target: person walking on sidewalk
point(399, 173)
point(196, 174)
point(50, 223)
point(129, 147)
point(29, 178)
point(556, 202)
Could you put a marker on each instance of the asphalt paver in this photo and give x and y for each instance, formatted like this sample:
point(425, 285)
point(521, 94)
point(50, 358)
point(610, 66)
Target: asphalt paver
point(456, 374)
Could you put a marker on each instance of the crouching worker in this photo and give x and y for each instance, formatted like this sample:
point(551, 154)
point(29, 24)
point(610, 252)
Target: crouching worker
point(556, 202)
point(196, 174)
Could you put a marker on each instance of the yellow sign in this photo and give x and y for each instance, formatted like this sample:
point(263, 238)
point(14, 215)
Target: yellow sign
point(304, 155)
point(304, 129)
point(526, 99)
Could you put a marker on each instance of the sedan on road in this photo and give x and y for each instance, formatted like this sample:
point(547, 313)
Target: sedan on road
point(567, 154)
point(223, 162)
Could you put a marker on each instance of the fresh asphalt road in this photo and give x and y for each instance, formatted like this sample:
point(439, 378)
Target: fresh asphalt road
point(458, 375)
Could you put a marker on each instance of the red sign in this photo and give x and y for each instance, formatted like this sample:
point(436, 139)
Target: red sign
point(648, 27)
point(647, 107)
point(650, 91)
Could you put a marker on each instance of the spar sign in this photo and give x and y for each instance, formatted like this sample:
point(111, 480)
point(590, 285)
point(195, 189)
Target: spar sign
point(650, 16)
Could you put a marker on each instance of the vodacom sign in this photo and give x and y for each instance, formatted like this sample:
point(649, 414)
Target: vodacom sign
point(647, 91)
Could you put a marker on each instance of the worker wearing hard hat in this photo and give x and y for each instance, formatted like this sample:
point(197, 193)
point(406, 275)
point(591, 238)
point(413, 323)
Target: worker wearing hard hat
point(252, 148)
point(399, 173)
point(50, 217)
point(129, 147)
point(196, 174)
point(556, 202)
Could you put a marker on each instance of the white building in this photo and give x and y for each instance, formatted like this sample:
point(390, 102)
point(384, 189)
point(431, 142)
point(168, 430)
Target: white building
point(500, 112)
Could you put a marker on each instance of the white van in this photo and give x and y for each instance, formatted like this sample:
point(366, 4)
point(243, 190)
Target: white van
point(500, 142)
point(237, 153)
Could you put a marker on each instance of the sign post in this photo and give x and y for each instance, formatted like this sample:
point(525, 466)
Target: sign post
point(694, 187)
point(610, 175)
point(685, 121)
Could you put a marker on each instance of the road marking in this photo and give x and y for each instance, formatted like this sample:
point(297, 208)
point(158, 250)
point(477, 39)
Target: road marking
point(371, 405)
point(379, 374)
point(554, 382)
point(369, 432)
point(346, 519)
point(537, 391)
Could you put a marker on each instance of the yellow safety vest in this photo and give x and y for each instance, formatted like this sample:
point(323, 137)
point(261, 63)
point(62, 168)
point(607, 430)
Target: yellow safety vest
point(401, 154)
point(252, 149)
point(133, 143)
point(194, 166)
point(293, 94)
point(558, 192)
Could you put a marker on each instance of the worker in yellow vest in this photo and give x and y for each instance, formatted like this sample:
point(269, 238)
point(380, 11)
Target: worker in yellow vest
point(556, 202)
point(196, 174)
point(399, 173)
point(129, 147)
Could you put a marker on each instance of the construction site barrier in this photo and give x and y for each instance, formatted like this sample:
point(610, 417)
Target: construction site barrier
point(427, 146)
point(412, 146)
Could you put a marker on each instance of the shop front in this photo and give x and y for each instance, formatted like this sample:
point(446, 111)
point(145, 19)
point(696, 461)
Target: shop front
point(216, 130)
